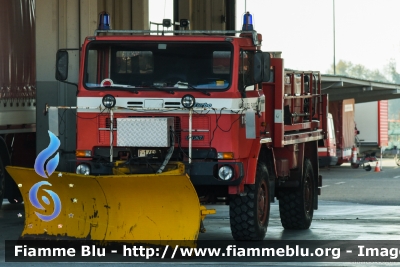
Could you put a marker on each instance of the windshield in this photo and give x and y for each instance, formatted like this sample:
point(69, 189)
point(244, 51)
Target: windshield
point(154, 65)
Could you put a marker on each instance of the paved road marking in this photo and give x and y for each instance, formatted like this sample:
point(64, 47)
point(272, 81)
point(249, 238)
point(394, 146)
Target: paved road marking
point(324, 186)
point(340, 183)
point(397, 177)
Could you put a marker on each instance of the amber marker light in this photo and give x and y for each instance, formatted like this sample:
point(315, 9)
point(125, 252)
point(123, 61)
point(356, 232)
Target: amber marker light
point(83, 153)
point(225, 155)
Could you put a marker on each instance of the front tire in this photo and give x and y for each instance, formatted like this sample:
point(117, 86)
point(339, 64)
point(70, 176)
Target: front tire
point(249, 214)
point(296, 207)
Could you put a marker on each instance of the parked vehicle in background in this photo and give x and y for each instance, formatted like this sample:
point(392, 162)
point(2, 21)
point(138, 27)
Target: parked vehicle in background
point(339, 146)
point(17, 92)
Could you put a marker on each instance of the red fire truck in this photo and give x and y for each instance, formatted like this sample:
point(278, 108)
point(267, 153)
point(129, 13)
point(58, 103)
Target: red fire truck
point(245, 129)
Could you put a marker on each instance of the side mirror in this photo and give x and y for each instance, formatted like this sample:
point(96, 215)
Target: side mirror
point(267, 67)
point(258, 67)
point(61, 65)
point(261, 67)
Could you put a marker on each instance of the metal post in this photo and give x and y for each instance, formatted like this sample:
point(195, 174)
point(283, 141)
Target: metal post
point(334, 40)
point(190, 135)
point(111, 134)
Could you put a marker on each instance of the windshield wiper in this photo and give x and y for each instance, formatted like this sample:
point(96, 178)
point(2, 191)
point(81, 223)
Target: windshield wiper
point(162, 89)
point(133, 89)
point(129, 88)
point(194, 88)
point(123, 87)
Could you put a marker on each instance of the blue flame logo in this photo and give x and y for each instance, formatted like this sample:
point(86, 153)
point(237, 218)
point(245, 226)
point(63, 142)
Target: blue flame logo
point(39, 169)
point(45, 154)
point(35, 202)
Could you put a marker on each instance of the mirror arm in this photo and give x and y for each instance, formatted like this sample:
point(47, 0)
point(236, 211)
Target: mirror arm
point(71, 83)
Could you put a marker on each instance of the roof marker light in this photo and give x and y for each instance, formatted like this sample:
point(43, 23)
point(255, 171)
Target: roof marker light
point(184, 23)
point(247, 22)
point(167, 23)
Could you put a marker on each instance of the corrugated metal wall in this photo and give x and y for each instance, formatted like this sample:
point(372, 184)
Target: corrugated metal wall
point(17, 49)
point(383, 123)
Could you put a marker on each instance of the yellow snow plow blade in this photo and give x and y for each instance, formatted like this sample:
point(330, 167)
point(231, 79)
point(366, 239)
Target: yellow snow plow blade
point(141, 207)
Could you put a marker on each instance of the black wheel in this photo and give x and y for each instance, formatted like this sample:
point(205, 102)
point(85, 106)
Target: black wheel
point(249, 214)
point(296, 207)
point(397, 160)
point(2, 182)
point(368, 168)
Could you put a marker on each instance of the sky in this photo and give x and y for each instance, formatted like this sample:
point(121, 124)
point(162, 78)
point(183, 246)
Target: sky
point(366, 31)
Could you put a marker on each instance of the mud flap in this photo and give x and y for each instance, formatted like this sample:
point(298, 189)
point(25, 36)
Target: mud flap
point(147, 207)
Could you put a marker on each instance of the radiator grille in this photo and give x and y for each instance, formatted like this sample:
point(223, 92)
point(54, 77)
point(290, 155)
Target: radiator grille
point(104, 127)
point(201, 131)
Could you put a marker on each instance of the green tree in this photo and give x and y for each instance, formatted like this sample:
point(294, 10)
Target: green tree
point(391, 70)
point(342, 68)
point(376, 75)
point(347, 68)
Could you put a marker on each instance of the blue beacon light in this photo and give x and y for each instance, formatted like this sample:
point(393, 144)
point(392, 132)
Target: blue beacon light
point(104, 21)
point(247, 22)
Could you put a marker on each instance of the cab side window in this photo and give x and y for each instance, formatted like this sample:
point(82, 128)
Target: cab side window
point(246, 81)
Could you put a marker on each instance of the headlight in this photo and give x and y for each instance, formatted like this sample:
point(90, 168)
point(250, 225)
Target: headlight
point(109, 101)
point(225, 173)
point(83, 169)
point(188, 101)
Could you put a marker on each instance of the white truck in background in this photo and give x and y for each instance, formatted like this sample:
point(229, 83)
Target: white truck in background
point(372, 122)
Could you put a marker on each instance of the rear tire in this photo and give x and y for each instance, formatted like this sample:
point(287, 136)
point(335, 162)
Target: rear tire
point(249, 214)
point(296, 207)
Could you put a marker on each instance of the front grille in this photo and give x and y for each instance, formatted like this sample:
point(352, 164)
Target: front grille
point(108, 123)
point(201, 131)
point(135, 104)
point(104, 127)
